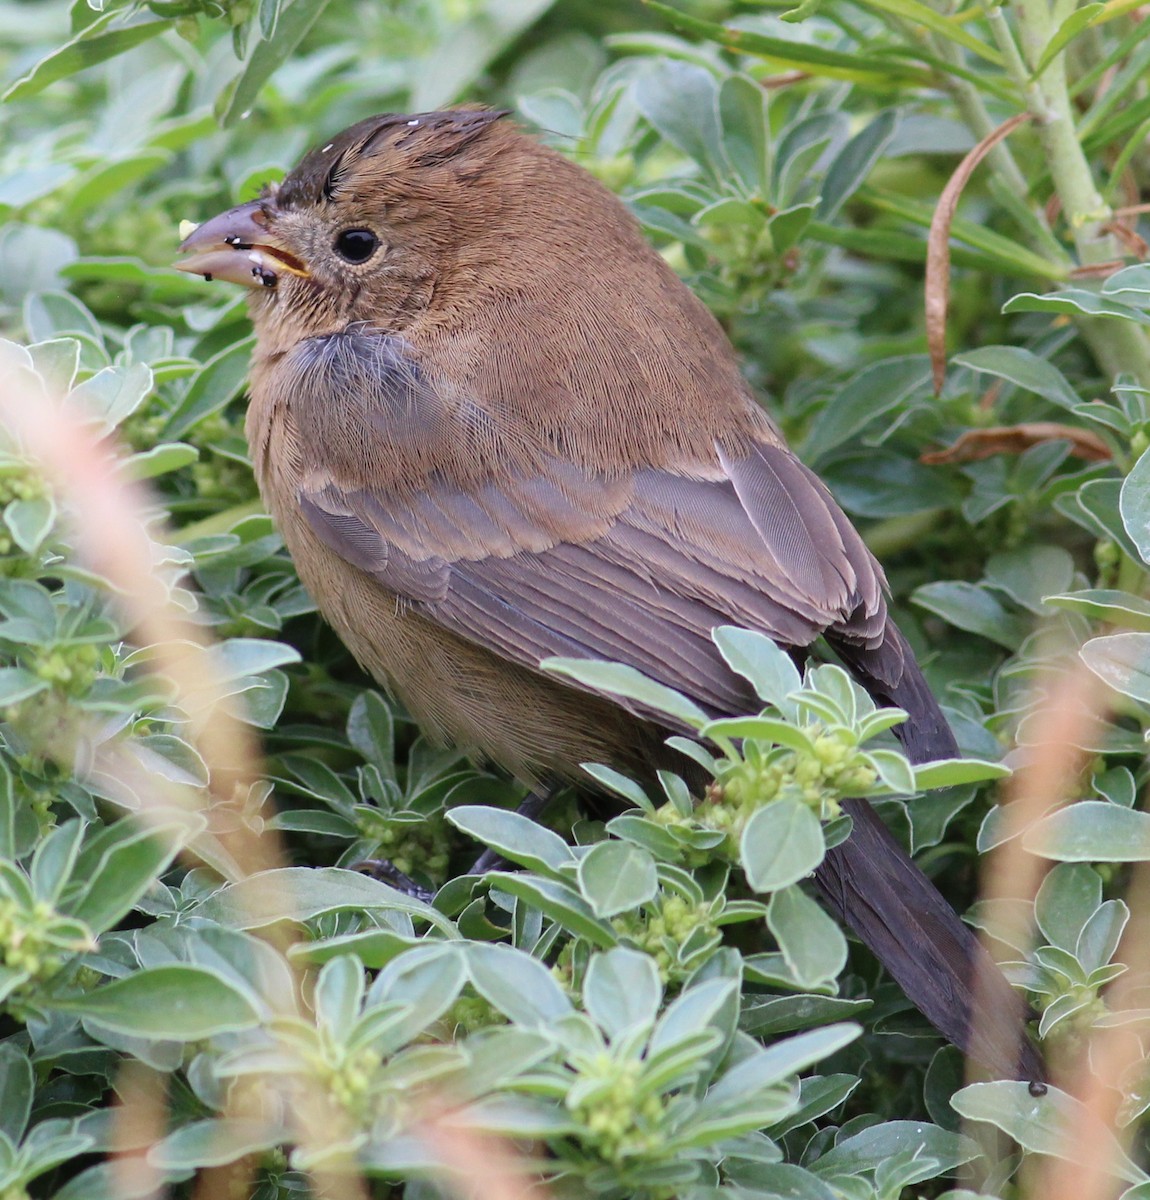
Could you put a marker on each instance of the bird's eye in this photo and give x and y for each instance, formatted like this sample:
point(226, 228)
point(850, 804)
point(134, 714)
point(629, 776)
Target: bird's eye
point(356, 245)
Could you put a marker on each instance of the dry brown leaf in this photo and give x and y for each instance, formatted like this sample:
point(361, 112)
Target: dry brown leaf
point(1133, 242)
point(938, 246)
point(976, 444)
point(1098, 270)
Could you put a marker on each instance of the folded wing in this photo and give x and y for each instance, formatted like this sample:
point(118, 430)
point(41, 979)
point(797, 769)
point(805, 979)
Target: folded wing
point(636, 566)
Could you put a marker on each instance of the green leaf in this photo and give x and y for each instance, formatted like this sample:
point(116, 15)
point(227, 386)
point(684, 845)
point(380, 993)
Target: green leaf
point(950, 772)
point(812, 945)
point(468, 46)
point(118, 866)
point(1074, 24)
point(303, 893)
point(161, 460)
point(371, 730)
point(374, 948)
point(338, 995)
point(17, 1088)
point(112, 394)
point(766, 666)
point(971, 607)
point(617, 877)
point(239, 657)
point(1051, 1124)
point(12, 815)
point(1029, 574)
point(1101, 935)
point(54, 859)
point(89, 47)
point(621, 991)
point(424, 982)
point(681, 100)
point(766, 1018)
point(745, 133)
point(18, 683)
point(621, 785)
point(1024, 368)
point(266, 56)
point(865, 400)
point(652, 836)
point(499, 1057)
point(1129, 282)
point(711, 1003)
point(57, 361)
point(872, 1147)
point(781, 844)
point(894, 771)
point(991, 255)
point(779, 1062)
point(559, 902)
point(1095, 506)
point(1123, 661)
point(1009, 254)
point(516, 837)
point(788, 225)
point(1091, 831)
point(179, 1003)
point(1106, 605)
point(219, 381)
point(519, 986)
point(616, 679)
point(854, 161)
point(1134, 505)
point(802, 145)
point(797, 1183)
point(1074, 302)
point(215, 1143)
point(30, 521)
point(21, 187)
point(763, 729)
point(114, 176)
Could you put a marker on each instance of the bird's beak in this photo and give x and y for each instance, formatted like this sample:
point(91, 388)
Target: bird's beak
point(239, 247)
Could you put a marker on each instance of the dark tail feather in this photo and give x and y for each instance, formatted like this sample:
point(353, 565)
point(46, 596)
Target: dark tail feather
point(873, 886)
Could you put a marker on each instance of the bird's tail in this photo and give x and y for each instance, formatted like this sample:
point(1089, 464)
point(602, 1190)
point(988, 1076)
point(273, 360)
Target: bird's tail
point(871, 883)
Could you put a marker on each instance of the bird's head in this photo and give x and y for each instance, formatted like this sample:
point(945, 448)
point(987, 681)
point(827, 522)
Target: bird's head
point(368, 225)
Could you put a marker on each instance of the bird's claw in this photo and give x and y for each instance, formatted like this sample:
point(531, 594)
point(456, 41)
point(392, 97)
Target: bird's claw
point(389, 873)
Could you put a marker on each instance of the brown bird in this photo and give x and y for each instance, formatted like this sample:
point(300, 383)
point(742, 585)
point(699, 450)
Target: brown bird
point(494, 426)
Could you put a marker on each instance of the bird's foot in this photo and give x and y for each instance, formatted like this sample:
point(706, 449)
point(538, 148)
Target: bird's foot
point(389, 873)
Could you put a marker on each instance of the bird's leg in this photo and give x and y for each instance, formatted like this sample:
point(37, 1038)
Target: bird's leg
point(389, 873)
point(532, 805)
point(490, 860)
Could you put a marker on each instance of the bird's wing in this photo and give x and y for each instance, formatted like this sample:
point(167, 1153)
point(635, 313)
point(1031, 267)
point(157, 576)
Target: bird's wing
point(636, 567)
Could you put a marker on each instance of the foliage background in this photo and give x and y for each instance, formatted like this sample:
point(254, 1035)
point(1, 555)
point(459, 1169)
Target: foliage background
point(636, 1011)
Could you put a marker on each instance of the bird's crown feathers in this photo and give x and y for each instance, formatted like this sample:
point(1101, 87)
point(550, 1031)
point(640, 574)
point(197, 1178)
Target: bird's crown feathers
point(386, 144)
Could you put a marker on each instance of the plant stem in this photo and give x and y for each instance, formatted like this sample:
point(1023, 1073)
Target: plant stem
point(1117, 345)
point(973, 110)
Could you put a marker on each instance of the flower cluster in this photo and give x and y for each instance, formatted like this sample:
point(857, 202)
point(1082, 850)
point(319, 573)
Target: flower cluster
point(620, 1117)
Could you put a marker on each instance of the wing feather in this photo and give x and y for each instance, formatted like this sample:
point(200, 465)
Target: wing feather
point(551, 559)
